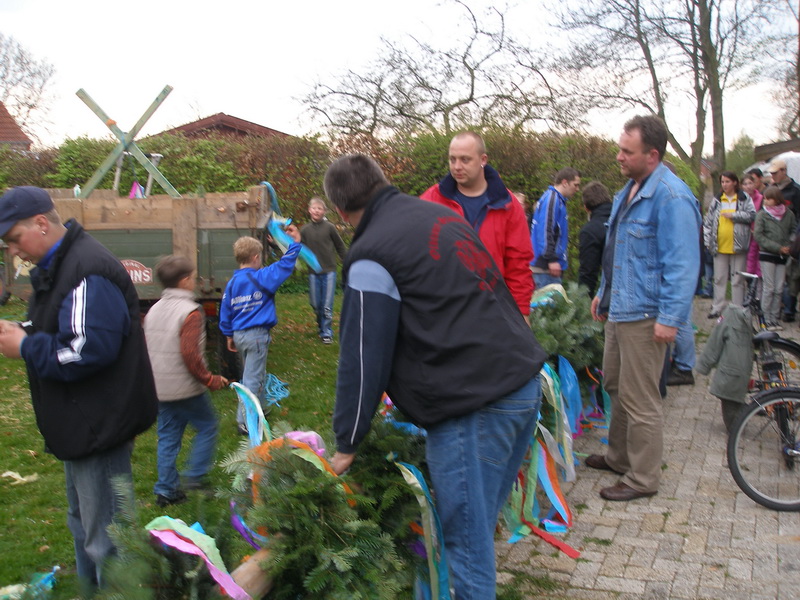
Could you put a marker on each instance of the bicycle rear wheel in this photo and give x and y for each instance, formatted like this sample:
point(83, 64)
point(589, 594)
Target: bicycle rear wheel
point(764, 448)
point(787, 353)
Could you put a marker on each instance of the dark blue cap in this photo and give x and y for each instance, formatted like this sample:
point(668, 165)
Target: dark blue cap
point(22, 203)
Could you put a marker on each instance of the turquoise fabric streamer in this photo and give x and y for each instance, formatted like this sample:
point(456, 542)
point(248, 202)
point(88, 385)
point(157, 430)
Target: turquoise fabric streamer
point(275, 390)
point(434, 539)
point(275, 226)
point(571, 391)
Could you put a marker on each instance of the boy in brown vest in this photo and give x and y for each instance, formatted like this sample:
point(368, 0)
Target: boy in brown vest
point(176, 341)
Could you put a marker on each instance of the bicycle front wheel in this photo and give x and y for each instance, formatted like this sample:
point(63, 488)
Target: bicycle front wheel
point(764, 449)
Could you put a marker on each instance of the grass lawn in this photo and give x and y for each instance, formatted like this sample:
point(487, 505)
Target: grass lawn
point(34, 534)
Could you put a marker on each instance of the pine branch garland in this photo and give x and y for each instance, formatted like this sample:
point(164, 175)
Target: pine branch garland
point(567, 328)
point(319, 545)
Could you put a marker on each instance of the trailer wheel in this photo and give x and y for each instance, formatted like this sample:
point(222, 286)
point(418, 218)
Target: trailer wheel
point(229, 363)
point(4, 293)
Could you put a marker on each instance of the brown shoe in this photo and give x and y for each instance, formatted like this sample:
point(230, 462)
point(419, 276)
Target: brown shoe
point(622, 493)
point(598, 461)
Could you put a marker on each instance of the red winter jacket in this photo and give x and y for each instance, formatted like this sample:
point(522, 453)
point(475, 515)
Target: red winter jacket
point(502, 228)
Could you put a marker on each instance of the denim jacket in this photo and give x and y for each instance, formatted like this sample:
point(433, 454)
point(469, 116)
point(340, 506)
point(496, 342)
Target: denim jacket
point(656, 251)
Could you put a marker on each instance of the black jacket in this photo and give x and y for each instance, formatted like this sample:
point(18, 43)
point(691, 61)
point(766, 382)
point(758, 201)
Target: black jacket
point(458, 341)
point(117, 402)
point(591, 242)
point(791, 193)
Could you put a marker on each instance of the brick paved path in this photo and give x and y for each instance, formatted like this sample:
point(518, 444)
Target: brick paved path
point(700, 537)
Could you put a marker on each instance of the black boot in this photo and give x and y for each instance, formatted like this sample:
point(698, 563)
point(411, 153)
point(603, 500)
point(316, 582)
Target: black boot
point(680, 377)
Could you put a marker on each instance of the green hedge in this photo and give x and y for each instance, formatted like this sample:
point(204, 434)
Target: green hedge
point(295, 166)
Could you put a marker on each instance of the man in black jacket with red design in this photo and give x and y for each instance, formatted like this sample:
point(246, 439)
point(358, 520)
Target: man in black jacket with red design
point(427, 317)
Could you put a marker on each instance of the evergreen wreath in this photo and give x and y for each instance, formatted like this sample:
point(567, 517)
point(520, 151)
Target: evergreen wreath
point(565, 327)
point(324, 542)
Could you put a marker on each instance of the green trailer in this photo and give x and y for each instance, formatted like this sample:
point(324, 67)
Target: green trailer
point(140, 230)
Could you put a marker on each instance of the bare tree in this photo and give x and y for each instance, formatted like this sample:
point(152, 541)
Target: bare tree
point(487, 78)
point(24, 82)
point(782, 66)
point(658, 55)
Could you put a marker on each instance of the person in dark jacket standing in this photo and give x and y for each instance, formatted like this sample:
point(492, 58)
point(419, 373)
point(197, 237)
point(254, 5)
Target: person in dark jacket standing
point(90, 377)
point(791, 194)
point(426, 317)
point(787, 185)
point(592, 238)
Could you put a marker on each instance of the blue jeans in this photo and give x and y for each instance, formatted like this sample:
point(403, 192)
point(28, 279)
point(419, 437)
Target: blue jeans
point(252, 345)
point(542, 279)
point(683, 352)
point(173, 417)
point(320, 295)
point(473, 462)
point(708, 273)
point(92, 504)
point(789, 302)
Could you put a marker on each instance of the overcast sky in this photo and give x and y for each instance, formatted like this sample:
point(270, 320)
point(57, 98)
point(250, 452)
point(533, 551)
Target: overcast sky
point(253, 60)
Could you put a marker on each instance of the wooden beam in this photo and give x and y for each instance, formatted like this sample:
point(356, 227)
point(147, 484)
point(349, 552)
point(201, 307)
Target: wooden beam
point(126, 144)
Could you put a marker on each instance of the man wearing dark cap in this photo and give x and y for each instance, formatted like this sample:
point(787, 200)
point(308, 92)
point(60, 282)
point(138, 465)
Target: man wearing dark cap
point(791, 193)
point(787, 185)
point(90, 378)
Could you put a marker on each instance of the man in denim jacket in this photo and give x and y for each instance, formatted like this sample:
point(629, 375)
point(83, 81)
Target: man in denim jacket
point(645, 295)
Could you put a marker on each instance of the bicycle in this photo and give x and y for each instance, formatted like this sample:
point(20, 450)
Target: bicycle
point(764, 442)
point(776, 361)
point(764, 449)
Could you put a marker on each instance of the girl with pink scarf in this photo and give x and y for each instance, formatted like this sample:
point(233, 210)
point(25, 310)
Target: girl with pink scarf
point(774, 229)
point(749, 186)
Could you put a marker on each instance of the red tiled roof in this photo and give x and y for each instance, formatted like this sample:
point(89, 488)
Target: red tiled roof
point(10, 132)
point(223, 123)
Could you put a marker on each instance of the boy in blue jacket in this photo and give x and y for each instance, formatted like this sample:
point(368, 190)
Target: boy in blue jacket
point(247, 311)
point(549, 228)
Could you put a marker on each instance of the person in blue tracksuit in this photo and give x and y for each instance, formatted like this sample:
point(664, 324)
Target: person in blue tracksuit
point(247, 311)
point(549, 232)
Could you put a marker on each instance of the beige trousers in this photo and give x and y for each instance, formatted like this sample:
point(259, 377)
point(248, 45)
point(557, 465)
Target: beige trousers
point(632, 364)
point(727, 267)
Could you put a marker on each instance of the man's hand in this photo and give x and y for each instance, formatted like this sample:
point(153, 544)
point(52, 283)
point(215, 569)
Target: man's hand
point(231, 345)
point(341, 462)
point(595, 304)
point(664, 333)
point(11, 336)
point(554, 269)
